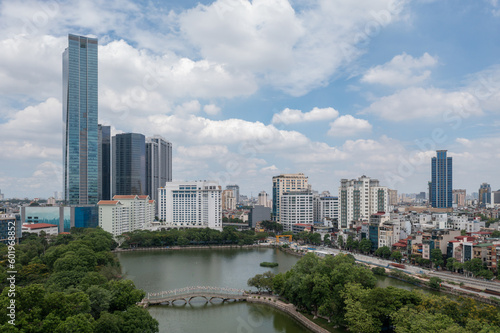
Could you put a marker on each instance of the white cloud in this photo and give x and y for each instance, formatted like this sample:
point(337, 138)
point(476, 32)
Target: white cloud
point(203, 151)
point(272, 168)
point(349, 126)
point(402, 70)
point(211, 109)
point(290, 116)
point(485, 86)
point(421, 103)
point(34, 132)
point(464, 141)
point(295, 51)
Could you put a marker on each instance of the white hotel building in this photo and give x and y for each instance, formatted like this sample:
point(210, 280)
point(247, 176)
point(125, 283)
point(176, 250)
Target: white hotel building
point(195, 204)
point(126, 213)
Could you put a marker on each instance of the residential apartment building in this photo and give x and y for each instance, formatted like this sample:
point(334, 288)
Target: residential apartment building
point(459, 197)
point(126, 213)
point(228, 200)
point(263, 199)
point(191, 204)
point(286, 183)
point(296, 208)
point(359, 198)
point(236, 191)
point(326, 208)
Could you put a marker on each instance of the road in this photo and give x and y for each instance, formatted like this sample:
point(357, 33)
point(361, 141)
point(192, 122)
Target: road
point(447, 276)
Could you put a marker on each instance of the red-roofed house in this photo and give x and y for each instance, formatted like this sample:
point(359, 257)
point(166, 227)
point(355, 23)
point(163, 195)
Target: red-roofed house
point(126, 213)
point(37, 228)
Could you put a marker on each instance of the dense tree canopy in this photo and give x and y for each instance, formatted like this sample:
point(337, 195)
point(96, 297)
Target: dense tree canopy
point(192, 236)
point(345, 292)
point(72, 284)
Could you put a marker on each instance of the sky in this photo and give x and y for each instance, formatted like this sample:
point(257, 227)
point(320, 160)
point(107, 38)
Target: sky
point(247, 90)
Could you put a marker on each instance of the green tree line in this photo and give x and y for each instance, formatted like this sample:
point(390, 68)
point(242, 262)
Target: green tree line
point(192, 236)
point(345, 292)
point(71, 283)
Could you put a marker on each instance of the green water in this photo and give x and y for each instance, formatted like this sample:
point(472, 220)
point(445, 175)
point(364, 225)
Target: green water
point(155, 271)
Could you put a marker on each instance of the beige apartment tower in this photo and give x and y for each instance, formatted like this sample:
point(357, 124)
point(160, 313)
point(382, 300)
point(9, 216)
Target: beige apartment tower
point(285, 183)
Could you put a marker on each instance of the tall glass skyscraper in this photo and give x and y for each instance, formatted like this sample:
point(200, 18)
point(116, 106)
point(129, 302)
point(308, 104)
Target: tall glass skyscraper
point(104, 173)
point(158, 165)
point(129, 164)
point(442, 180)
point(80, 152)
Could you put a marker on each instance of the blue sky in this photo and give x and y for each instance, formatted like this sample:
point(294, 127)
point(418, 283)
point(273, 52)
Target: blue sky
point(246, 90)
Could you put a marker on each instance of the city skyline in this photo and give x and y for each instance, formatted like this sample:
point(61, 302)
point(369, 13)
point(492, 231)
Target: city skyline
point(280, 94)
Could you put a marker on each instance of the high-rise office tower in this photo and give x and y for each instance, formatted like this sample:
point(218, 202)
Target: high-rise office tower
point(286, 183)
point(104, 162)
point(129, 164)
point(80, 152)
point(484, 194)
point(360, 198)
point(236, 192)
point(442, 180)
point(158, 165)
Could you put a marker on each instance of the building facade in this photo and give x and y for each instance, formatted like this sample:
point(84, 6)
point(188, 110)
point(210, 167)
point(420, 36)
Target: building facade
point(129, 164)
point(263, 199)
point(484, 194)
point(257, 214)
point(459, 197)
point(236, 192)
point(228, 200)
point(191, 204)
point(104, 162)
point(286, 183)
point(326, 207)
point(66, 217)
point(359, 198)
point(126, 213)
point(80, 132)
point(10, 228)
point(296, 208)
point(158, 165)
point(442, 180)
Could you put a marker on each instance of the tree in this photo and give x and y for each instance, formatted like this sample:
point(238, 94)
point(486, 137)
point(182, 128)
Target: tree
point(435, 282)
point(123, 294)
point(365, 245)
point(256, 282)
point(80, 323)
point(396, 255)
point(437, 257)
point(315, 238)
point(449, 263)
point(326, 239)
point(340, 241)
point(495, 234)
point(474, 266)
point(137, 319)
point(99, 300)
point(383, 252)
point(463, 232)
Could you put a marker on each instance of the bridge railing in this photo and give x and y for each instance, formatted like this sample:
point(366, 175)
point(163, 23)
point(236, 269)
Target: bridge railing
point(196, 290)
